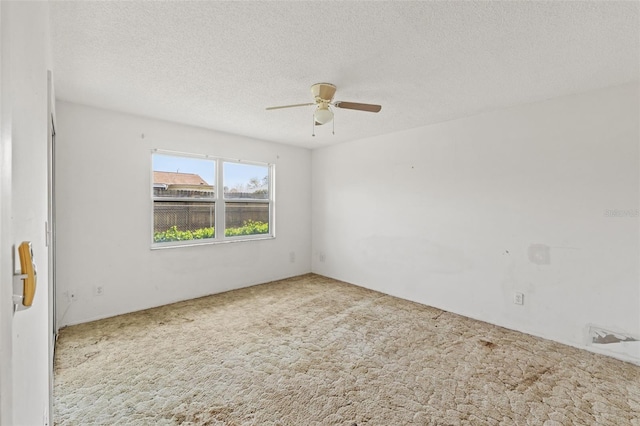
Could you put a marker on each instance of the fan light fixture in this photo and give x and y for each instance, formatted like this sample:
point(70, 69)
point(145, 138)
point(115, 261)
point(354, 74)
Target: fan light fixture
point(323, 114)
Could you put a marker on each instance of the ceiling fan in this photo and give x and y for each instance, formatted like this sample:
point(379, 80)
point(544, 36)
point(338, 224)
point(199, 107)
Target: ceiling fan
point(323, 95)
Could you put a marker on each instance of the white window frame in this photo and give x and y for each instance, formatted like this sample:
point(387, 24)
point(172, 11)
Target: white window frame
point(219, 201)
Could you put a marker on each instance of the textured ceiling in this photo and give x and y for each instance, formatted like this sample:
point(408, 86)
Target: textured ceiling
point(219, 64)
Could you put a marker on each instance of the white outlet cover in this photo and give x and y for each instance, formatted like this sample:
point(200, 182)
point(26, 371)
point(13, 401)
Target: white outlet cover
point(518, 298)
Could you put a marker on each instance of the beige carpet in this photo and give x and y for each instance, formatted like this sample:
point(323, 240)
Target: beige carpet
point(314, 351)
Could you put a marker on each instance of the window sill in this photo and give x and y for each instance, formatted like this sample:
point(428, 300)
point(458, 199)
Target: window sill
point(192, 243)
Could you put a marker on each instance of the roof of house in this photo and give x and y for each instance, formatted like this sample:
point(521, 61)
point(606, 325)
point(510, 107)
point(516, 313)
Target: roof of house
point(175, 178)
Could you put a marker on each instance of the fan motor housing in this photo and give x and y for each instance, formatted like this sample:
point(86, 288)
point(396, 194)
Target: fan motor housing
point(323, 92)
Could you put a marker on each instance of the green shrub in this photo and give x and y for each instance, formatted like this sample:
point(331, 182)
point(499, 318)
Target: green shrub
point(249, 227)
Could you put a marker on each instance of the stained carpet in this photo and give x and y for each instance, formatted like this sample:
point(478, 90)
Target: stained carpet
point(314, 351)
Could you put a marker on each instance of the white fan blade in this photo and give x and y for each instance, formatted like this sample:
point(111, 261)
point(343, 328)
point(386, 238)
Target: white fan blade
point(290, 106)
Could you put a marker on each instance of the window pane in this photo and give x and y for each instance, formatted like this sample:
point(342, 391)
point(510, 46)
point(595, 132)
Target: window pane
point(182, 221)
point(245, 181)
point(246, 218)
point(183, 177)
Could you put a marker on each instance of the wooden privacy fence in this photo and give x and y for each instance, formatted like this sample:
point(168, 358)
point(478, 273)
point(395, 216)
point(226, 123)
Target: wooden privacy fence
point(191, 216)
point(236, 214)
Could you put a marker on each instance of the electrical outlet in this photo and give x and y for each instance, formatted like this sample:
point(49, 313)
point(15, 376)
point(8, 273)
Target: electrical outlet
point(518, 298)
point(292, 257)
point(73, 296)
point(322, 257)
point(98, 290)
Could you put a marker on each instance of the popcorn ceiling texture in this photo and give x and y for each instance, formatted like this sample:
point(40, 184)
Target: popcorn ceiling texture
point(314, 351)
point(220, 64)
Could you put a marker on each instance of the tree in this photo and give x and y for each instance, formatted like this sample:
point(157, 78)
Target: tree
point(254, 183)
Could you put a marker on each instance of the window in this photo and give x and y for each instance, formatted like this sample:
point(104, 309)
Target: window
point(246, 199)
point(203, 199)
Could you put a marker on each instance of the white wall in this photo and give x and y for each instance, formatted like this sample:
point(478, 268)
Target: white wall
point(25, 59)
point(445, 214)
point(104, 216)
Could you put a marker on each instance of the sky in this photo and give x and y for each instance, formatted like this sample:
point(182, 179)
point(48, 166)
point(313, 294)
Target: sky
point(234, 173)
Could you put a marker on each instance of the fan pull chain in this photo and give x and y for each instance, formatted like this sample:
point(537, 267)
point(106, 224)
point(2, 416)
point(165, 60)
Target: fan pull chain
point(333, 123)
point(313, 126)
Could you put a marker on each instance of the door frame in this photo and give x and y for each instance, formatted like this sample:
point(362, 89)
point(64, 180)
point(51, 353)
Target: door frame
point(51, 231)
